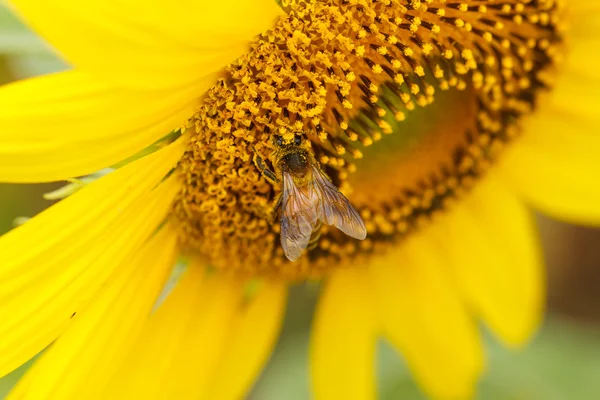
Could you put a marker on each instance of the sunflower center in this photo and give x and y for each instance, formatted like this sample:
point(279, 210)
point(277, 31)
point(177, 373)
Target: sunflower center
point(402, 103)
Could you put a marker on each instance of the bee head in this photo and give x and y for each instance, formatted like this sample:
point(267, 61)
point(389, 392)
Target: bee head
point(293, 155)
point(288, 140)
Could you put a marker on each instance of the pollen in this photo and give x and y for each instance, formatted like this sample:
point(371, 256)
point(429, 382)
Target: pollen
point(351, 77)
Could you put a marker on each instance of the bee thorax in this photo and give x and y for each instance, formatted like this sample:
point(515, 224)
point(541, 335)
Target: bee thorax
point(296, 162)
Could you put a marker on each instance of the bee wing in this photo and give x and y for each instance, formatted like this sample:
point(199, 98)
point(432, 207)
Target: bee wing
point(298, 218)
point(335, 209)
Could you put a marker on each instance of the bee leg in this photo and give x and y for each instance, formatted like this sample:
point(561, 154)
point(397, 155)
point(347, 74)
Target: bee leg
point(275, 209)
point(262, 167)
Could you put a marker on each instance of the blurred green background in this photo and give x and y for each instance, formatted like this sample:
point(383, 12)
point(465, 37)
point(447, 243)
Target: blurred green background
point(562, 362)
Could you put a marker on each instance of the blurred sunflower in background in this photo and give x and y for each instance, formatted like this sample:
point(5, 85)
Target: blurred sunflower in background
point(440, 121)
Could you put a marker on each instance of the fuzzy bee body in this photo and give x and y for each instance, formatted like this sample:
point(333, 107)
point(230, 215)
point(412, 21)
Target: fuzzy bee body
point(315, 236)
point(308, 199)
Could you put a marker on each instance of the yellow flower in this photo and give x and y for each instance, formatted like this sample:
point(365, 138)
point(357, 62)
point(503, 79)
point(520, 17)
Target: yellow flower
point(450, 240)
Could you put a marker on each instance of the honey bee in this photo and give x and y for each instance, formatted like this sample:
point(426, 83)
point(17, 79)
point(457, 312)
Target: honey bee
point(307, 199)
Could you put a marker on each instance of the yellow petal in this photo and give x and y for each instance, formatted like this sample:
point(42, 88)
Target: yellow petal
point(491, 243)
point(254, 334)
point(555, 166)
point(344, 338)
point(575, 90)
point(583, 21)
point(585, 6)
point(582, 38)
point(573, 96)
point(55, 263)
point(69, 124)
point(79, 364)
point(183, 342)
point(149, 44)
point(424, 318)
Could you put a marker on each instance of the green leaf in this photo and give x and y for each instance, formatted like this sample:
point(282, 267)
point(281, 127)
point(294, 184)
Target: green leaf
point(16, 37)
point(23, 53)
point(7, 383)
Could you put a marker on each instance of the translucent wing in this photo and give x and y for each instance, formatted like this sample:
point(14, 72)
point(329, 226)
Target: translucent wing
point(298, 217)
point(334, 208)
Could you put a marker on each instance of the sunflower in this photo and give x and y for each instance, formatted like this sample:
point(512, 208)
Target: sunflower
point(439, 121)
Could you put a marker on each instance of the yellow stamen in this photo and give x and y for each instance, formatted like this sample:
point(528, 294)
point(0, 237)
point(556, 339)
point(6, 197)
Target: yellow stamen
point(341, 73)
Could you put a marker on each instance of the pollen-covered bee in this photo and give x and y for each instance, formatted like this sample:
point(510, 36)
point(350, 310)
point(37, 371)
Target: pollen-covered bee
point(308, 198)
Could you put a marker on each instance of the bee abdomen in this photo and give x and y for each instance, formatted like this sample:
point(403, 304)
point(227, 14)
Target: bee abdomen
point(314, 237)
